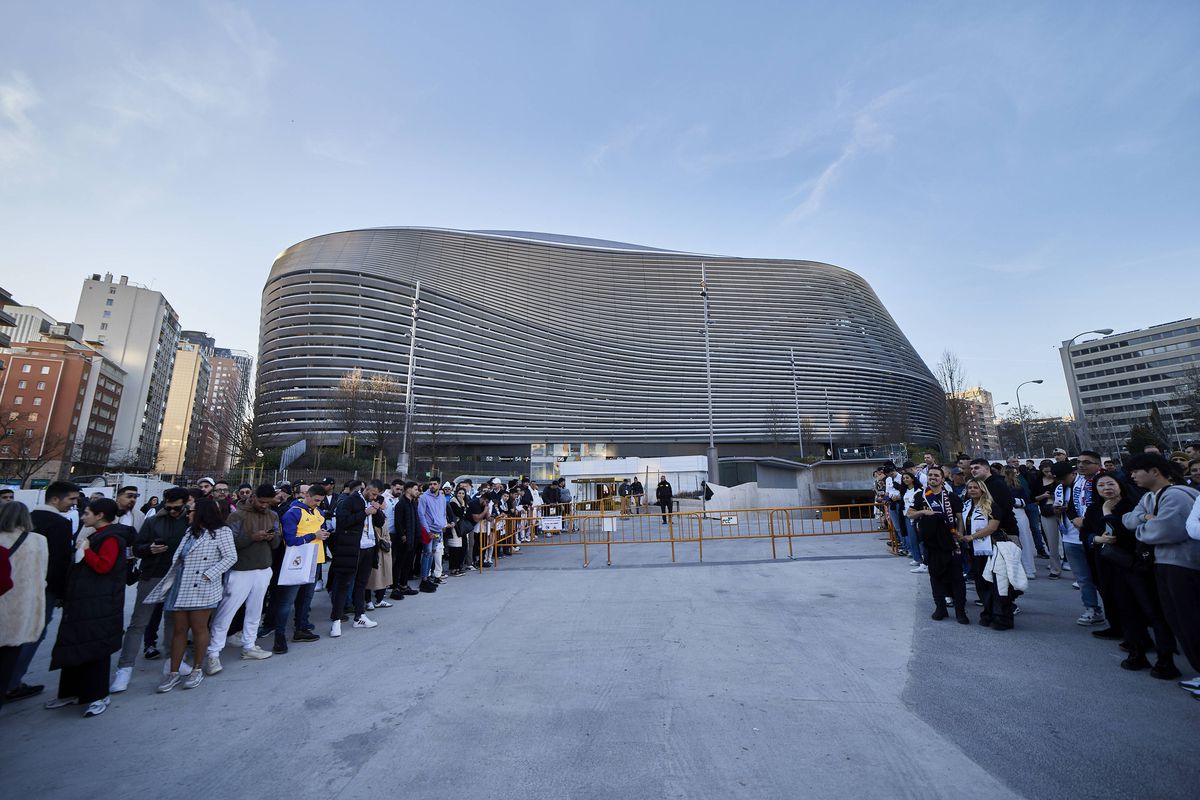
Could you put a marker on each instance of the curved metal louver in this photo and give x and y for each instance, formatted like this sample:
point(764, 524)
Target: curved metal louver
point(530, 338)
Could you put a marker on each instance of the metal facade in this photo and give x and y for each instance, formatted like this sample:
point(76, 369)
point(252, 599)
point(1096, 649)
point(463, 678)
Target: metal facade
point(527, 337)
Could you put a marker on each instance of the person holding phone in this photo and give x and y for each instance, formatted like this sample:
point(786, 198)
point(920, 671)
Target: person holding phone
point(354, 552)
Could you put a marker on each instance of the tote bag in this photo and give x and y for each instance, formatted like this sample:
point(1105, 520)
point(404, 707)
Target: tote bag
point(299, 565)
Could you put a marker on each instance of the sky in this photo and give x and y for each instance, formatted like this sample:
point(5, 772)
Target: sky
point(1005, 175)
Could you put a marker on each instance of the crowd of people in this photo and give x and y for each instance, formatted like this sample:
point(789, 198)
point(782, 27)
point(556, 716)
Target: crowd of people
point(213, 566)
point(1128, 534)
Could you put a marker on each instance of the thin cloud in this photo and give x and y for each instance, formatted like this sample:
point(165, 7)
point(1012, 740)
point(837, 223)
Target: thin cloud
point(18, 136)
point(620, 143)
point(334, 151)
point(867, 135)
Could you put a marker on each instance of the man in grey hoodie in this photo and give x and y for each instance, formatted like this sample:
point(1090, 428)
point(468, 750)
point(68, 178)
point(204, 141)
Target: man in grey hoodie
point(1160, 519)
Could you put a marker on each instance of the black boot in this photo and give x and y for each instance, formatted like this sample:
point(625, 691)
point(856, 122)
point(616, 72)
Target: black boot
point(1165, 669)
point(960, 615)
point(280, 644)
point(1137, 660)
point(939, 613)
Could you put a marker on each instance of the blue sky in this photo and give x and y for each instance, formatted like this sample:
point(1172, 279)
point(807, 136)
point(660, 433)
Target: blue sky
point(1005, 175)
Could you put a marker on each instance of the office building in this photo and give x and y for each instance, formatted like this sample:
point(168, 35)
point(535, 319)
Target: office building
point(979, 436)
point(60, 401)
point(227, 409)
point(180, 445)
point(137, 328)
point(1114, 381)
point(532, 340)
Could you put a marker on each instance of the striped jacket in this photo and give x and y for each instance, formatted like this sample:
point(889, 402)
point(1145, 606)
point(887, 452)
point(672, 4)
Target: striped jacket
point(203, 570)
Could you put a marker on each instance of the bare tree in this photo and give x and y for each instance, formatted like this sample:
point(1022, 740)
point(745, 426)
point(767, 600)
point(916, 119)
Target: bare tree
point(951, 375)
point(383, 421)
point(24, 450)
point(1187, 395)
point(349, 402)
point(775, 424)
point(430, 429)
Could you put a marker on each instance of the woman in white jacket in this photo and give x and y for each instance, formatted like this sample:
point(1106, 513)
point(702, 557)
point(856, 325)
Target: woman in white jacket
point(194, 585)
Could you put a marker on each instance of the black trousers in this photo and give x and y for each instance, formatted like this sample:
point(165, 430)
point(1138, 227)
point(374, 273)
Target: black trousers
point(8, 665)
point(87, 681)
point(1179, 591)
point(456, 555)
point(665, 508)
point(997, 607)
point(340, 579)
point(1104, 575)
point(1141, 608)
point(402, 562)
point(946, 578)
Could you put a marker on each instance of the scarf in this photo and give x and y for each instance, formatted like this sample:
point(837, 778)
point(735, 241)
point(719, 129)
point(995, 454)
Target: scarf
point(943, 505)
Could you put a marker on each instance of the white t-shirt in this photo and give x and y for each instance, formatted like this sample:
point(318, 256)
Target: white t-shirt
point(909, 496)
point(1069, 533)
point(976, 521)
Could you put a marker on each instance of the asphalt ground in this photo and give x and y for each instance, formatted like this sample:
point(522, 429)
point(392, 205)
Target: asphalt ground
point(741, 677)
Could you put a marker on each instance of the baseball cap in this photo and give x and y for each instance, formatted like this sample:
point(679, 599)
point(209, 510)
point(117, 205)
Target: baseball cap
point(1058, 450)
point(209, 481)
point(327, 481)
point(447, 485)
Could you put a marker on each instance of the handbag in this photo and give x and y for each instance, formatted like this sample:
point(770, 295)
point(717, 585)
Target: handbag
point(299, 565)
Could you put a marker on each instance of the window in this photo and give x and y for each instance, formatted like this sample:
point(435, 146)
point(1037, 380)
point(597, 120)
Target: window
point(24, 368)
point(107, 314)
point(108, 302)
point(29, 433)
point(37, 401)
point(33, 417)
point(45, 370)
point(103, 326)
point(21, 384)
point(41, 385)
point(18, 400)
point(11, 416)
point(112, 290)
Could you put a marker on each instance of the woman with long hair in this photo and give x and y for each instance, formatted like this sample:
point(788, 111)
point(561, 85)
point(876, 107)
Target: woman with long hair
point(93, 621)
point(457, 514)
point(1132, 565)
point(981, 523)
point(911, 487)
point(193, 586)
point(23, 606)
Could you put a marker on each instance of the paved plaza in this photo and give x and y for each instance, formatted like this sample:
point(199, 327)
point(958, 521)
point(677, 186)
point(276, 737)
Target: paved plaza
point(820, 677)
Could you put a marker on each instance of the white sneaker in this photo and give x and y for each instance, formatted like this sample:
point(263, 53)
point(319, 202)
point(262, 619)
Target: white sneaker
point(920, 568)
point(1090, 616)
point(194, 679)
point(914, 563)
point(255, 653)
point(370, 606)
point(212, 665)
point(1191, 684)
point(1066, 567)
point(97, 708)
point(120, 681)
point(383, 604)
point(335, 630)
point(365, 622)
point(1075, 585)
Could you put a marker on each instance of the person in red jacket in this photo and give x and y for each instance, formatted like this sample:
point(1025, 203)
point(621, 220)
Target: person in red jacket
point(93, 621)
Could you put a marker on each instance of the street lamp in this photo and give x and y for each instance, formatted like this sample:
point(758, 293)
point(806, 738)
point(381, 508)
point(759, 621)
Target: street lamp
point(714, 463)
point(1021, 411)
point(1075, 383)
point(998, 405)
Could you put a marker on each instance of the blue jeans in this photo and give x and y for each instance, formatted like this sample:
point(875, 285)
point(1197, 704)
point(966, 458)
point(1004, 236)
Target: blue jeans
point(1035, 525)
point(898, 523)
point(1079, 566)
point(914, 541)
point(426, 559)
point(284, 598)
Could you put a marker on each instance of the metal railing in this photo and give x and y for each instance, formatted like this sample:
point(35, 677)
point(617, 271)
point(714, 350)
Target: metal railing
point(589, 531)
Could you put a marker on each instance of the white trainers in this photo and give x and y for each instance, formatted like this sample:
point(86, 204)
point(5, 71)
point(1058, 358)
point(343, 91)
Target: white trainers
point(212, 665)
point(97, 708)
point(335, 630)
point(914, 563)
point(171, 680)
point(383, 604)
point(1075, 585)
point(1090, 616)
point(194, 679)
point(370, 606)
point(120, 681)
point(920, 568)
point(365, 622)
point(60, 702)
point(1191, 684)
point(255, 653)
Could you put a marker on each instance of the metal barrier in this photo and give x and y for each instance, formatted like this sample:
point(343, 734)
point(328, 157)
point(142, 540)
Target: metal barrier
point(592, 530)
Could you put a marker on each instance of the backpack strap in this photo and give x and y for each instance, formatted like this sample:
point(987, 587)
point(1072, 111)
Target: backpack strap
point(20, 539)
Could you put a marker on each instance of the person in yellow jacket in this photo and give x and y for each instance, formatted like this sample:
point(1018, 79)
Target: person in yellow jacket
point(302, 524)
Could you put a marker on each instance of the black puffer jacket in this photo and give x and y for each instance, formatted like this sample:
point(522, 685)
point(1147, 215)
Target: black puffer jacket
point(93, 621)
point(344, 544)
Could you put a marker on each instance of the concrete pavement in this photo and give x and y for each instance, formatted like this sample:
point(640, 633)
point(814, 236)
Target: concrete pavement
point(742, 677)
